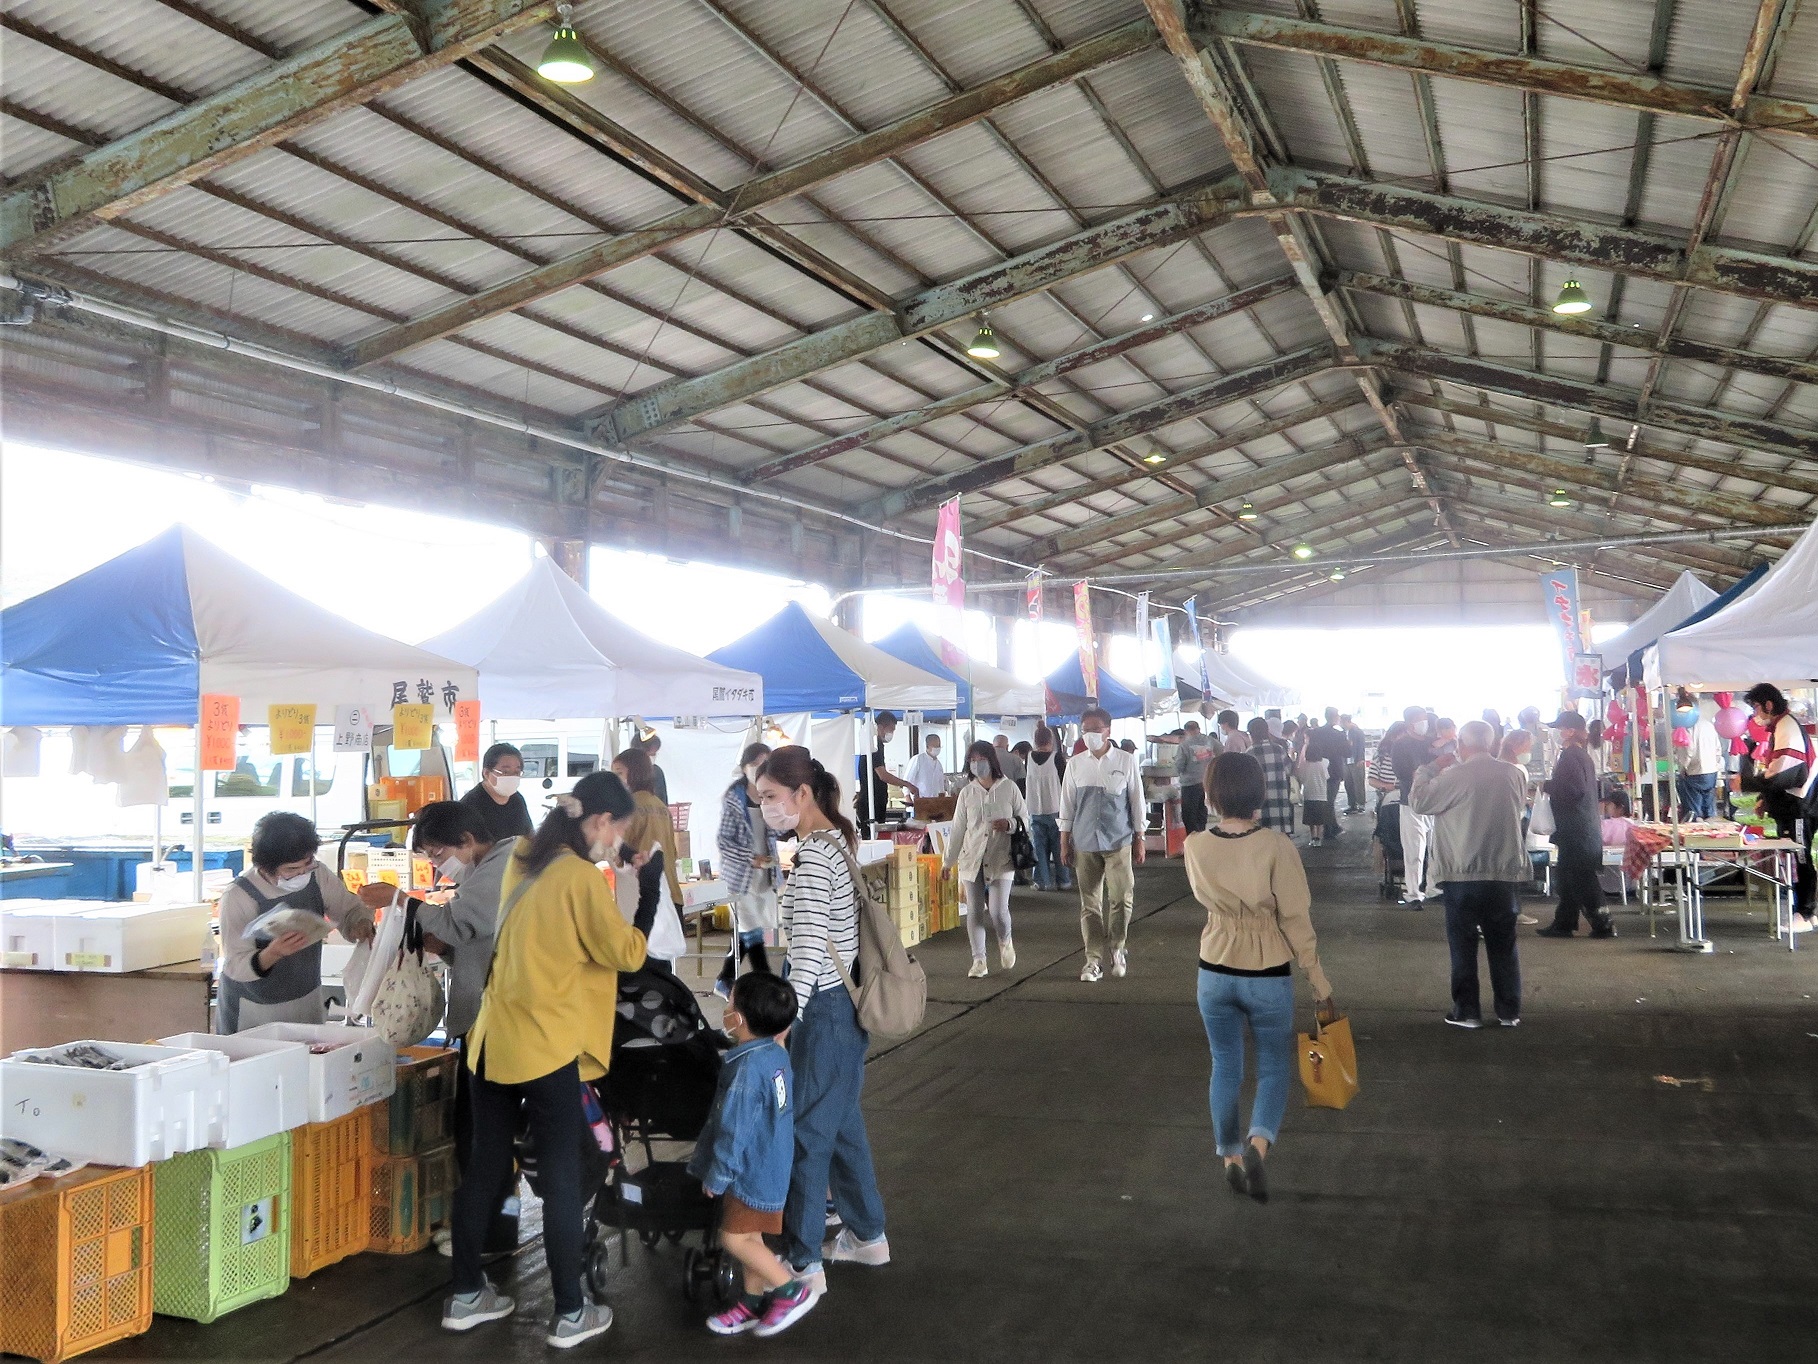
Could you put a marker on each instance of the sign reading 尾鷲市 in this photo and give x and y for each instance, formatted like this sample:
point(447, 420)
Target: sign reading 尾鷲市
point(1560, 589)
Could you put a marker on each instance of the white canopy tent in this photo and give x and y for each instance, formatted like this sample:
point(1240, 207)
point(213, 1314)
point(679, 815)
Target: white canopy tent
point(1770, 635)
point(1683, 598)
point(546, 650)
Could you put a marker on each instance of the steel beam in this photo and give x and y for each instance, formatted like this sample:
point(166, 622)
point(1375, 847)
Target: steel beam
point(1137, 421)
point(252, 114)
point(1023, 380)
point(763, 191)
point(1300, 583)
point(1623, 89)
point(1797, 442)
point(1677, 556)
point(1588, 329)
point(1100, 531)
point(1327, 521)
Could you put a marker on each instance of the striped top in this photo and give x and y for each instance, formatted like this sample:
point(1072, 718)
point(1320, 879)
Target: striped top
point(819, 902)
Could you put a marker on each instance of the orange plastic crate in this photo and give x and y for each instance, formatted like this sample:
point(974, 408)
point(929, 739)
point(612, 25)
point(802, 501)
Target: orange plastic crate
point(331, 1169)
point(420, 1112)
point(397, 1225)
point(78, 1256)
point(438, 1178)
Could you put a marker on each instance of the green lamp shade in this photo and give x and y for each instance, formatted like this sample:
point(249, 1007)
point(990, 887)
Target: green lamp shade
point(565, 60)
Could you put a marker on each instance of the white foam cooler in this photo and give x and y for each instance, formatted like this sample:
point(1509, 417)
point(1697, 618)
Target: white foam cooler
point(174, 1100)
point(268, 1083)
point(131, 937)
point(28, 939)
point(361, 1069)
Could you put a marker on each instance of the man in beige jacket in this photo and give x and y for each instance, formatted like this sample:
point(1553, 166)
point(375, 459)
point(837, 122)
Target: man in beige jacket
point(1475, 801)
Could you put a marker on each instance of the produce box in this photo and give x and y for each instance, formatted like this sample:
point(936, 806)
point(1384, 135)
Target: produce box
point(357, 1068)
point(124, 937)
point(28, 931)
point(223, 1228)
point(330, 1182)
point(171, 1100)
point(267, 1083)
point(78, 1262)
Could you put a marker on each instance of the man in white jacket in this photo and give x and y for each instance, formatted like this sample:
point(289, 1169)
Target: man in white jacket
point(926, 774)
point(1102, 818)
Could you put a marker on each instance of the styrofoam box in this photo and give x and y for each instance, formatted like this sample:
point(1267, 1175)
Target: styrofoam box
point(131, 937)
point(174, 885)
point(362, 1069)
point(28, 931)
point(267, 1083)
point(174, 1100)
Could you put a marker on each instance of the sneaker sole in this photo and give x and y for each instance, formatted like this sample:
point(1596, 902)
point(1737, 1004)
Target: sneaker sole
point(795, 1314)
point(569, 1342)
point(743, 1328)
point(1468, 1024)
point(479, 1319)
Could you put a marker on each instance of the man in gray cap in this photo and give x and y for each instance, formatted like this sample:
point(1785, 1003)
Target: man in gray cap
point(1577, 833)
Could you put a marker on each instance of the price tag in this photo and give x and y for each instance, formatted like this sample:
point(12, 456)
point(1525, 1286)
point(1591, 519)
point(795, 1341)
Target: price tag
point(353, 729)
point(467, 731)
point(293, 728)
point(17, 959)
point(413, 726)
point(220, 726)
point(88, 961)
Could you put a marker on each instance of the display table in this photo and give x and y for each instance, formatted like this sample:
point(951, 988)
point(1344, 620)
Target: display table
point(1712, 846)
point(44, 1008)
point(35, 880)
point(699, 899)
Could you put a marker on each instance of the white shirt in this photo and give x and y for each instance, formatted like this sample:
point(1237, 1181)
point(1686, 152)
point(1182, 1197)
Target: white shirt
point(974, 846)
point(1117, 771)
point(927, 775)
point(1705, 753)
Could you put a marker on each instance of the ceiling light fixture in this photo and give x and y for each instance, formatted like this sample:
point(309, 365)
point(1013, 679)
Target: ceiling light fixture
point(1303, 550)
point(1572, 299)
point(1559, 498)
point(1148, 317)
point(984, 345)
point(1155, 457)
point(1247, 512)
point(1337, 575)
point(565, 61)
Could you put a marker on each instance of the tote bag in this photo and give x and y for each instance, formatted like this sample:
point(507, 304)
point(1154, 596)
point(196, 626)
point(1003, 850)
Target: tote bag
point(1328, 1064)
point(891, 994)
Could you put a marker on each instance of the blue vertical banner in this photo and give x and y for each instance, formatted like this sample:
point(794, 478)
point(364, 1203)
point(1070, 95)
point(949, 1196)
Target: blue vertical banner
point(1560, 589)
point(1205, 678)
point(1164, 675)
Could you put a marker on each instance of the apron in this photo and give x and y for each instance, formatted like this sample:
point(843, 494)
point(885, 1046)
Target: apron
point(292, 991)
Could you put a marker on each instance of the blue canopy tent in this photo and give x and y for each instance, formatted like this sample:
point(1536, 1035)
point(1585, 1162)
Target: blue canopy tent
point(1067, 694)
point(998, 692)
point(811, 665)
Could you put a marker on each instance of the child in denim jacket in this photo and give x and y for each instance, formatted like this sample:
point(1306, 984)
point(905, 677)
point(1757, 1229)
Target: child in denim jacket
point(744, 1154)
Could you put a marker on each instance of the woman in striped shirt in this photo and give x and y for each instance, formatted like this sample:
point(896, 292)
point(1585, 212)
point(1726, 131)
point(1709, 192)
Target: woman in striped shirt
point(826, 1045)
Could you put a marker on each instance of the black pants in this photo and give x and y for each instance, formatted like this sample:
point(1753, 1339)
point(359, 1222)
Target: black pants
point(1193, 809)
point(1489, 907)
point(1580, 891)
point(557, 1127)
point(1334, 784)
point(1792, 825)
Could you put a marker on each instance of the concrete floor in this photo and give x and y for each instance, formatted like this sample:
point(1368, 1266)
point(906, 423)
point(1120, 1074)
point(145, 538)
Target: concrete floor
point(1045, 1154)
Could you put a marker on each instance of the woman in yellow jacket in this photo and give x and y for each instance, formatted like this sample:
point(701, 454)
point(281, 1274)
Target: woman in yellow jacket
point(545, 1026)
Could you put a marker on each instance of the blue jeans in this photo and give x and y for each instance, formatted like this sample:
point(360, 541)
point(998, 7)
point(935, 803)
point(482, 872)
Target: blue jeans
point(827, 1054)
point(1490, 906)
point(1267, 1003)
point(1698, 795)
point(1050, 872)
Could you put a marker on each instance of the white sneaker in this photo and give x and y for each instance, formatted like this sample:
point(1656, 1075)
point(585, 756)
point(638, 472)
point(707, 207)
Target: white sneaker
point(978, 969)
point(1091, 975)
point(1119, 964)
point(848, 1249)
point(1006, 954)
point(1802, 925)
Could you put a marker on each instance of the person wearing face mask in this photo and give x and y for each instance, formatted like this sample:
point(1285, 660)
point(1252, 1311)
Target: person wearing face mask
point(748, 867)
point(279, 980)
point(1047, 768)
point(651, 835)
point(926, 774)
point(989, 807)
point(1413, 751)
point(826, 1045)
point(544, 1027)
point(497, 800)
point(1103, 818)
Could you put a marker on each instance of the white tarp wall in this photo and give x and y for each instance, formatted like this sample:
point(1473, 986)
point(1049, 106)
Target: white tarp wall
point(834, 744)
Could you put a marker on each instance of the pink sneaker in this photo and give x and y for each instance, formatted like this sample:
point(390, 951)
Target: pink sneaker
point(735, 1320)
point(788, 1305)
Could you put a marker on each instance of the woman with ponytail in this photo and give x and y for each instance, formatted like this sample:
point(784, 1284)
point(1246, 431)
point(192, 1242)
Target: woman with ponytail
point(826, 1045)
point(545, 1026)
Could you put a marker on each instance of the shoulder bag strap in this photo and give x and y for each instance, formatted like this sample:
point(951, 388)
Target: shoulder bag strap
point(858, 904)
point(511, 903)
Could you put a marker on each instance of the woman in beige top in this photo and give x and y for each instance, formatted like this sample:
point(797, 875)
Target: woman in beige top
point(1255, 892)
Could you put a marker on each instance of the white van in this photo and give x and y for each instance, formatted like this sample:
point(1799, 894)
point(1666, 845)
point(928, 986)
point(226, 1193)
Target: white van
point(556, 755)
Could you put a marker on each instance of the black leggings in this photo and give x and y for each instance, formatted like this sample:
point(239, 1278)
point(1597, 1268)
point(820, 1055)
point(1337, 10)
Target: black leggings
point(557, 1127)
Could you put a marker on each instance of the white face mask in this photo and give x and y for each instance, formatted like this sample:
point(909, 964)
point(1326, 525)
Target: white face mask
point(981, 770)
point(935, 753)
point(599, 851)
point(1418, 729)
point(503, 785)
point(452, 867)
point(1096, 741)
point(291, 884)
point(783, 821)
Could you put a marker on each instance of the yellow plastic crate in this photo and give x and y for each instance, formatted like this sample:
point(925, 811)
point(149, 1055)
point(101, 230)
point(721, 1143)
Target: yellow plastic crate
point(330, 1174)
point(395, 1220)
point(78, 1254)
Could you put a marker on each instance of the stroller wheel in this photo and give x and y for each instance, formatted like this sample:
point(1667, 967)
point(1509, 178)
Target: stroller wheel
point(693, 1272)
point(675, 1237)
point(725, 1278)
point(604, 1264)
point(651, 1239)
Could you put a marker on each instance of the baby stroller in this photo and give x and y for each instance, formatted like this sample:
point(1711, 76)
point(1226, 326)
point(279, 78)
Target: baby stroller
point(1388, 837)
point(665, 1070)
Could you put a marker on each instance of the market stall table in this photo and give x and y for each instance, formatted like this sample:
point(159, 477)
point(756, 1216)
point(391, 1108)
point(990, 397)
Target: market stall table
point(1654, 849)
point(45, 1008)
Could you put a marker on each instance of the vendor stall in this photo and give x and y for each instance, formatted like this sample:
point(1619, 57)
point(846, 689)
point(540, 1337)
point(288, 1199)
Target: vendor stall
point(982, 689)
point(1067, 695)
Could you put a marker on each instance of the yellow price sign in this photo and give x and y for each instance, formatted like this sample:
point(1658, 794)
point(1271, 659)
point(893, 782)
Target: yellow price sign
point(293, 728)
point(413, 726)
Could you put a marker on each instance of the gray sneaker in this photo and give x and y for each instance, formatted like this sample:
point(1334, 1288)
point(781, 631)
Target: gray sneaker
point(463, 1312)
point(594, 1319)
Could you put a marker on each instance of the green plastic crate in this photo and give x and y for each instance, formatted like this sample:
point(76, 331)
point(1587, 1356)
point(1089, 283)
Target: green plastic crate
point(221, 1229)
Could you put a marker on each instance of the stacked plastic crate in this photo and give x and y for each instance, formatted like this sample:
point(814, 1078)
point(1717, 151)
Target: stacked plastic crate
point(413, 1165)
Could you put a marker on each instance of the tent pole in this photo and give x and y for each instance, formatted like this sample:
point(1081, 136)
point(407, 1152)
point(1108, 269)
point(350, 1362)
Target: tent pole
point(314, 782)
point(196, 844)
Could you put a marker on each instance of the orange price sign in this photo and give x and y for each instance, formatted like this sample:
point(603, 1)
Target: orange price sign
point(467, 731)
point(220, 726)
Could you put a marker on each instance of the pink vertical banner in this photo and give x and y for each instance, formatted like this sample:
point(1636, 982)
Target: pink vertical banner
point(948, 585)
point(1088, 651)
point(1033, 593)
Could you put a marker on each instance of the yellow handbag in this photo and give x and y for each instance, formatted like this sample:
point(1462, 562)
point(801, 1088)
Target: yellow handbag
point(1328, 1064)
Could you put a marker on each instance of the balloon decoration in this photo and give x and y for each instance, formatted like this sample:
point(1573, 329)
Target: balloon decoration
point(1684, 717)
point(1682, 737)
point(1732, 721)
point(1617, 726)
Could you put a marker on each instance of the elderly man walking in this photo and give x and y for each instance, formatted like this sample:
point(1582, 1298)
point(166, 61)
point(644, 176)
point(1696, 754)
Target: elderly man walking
point(1475, 802)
